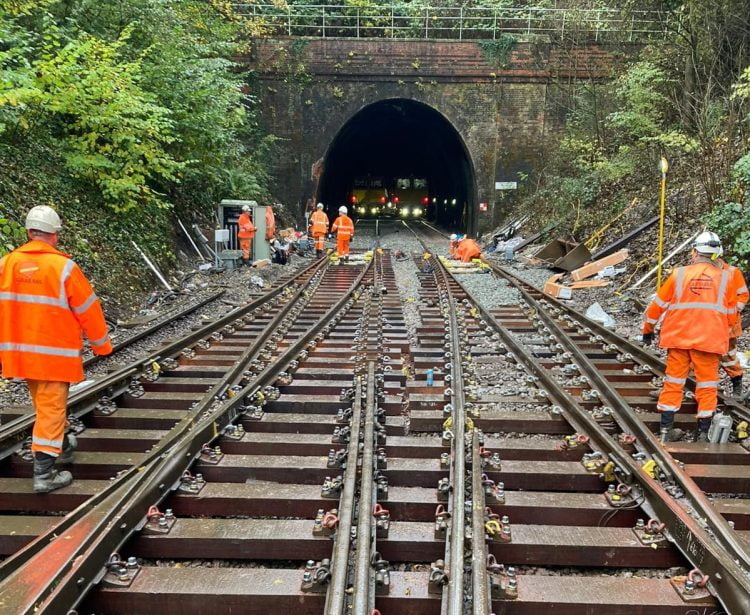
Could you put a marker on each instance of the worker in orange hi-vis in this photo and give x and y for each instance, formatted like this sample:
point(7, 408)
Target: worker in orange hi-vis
point(698, 302)
point(270, 223)
point(467, 250)
point(245, 234)
point(344, 229)
point(45, 304)
point(730, 361)
point(318, 228)
point(452, 245)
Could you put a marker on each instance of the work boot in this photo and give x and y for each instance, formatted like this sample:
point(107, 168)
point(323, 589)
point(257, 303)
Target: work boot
point(737, 387)
point(667, 431)
point(702, 431)
point(70, 443)
point(46, 477)
point(654, 393)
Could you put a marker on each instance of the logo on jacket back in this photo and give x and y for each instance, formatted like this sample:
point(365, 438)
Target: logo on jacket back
point(24, 272)
point(701, 284)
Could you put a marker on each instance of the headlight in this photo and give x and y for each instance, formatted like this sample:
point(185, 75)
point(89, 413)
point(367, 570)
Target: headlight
point(374, 210)
point(404, 212)
point(361, 210)
point(417, 211)
point(390, 205)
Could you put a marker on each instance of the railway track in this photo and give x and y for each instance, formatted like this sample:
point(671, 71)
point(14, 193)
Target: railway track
point(483, 460)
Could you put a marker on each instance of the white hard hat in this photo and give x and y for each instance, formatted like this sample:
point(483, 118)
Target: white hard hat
point(708, 243)
point(343, 209)
point(43, 218)
point(320, 205)
point(246, 208)
point(454, 237)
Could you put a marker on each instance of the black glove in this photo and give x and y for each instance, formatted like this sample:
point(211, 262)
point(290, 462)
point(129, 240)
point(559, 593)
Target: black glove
point(648, 339)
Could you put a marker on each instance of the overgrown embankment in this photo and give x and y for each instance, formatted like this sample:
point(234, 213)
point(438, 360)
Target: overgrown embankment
point(121, 115)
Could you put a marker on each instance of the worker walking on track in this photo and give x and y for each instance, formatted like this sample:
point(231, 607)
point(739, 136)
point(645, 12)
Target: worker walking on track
point(45, 304)
point(344, 229)
point(270, 224)
point(319, 228)
point(699, 307)
point(730, 361)
point(245, 234)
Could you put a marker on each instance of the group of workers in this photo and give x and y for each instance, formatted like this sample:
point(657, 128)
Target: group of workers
point(463, 248)
point(343, 226)
point(47, 304)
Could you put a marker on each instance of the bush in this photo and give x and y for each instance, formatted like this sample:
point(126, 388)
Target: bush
point(732, 220)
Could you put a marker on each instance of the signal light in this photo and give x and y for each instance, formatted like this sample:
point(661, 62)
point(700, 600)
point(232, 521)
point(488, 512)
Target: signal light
point(382, 199)
point(354, 200)
point(425, 200)
point(395, 199)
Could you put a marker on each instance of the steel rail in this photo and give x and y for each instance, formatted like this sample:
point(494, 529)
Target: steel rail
point(638, 353)
point(153, 328)
point(230, 377)
point(363, 586)
point(729, 582)
point(13, 433)
point(717, 525)
point(56, 579)
point(481, 602)
point(336, 592)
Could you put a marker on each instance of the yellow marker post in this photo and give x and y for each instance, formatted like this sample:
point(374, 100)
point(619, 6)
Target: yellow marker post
point(664, 166)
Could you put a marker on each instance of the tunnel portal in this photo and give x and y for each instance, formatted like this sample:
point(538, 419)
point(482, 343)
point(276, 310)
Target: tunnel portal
point(401, 138)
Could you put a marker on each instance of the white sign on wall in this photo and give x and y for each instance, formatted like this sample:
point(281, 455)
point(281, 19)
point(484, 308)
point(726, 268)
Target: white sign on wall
point(506, 185)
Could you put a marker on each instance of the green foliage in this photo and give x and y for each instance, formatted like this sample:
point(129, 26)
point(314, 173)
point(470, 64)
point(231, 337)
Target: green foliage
point(12, 234)
point(733, 220)
point(497, 52)
point(642, 102)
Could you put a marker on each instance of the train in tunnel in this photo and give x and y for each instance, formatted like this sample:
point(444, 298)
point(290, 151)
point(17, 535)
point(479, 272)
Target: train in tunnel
point(401, 197)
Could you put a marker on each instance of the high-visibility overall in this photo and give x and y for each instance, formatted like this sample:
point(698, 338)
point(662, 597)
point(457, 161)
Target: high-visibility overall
point(344, 229)
point(698, 309)
point(270, 223)
point(46, 303)
point(730, 361)
point(245, 234)
point(468, 249)
point(319, 227)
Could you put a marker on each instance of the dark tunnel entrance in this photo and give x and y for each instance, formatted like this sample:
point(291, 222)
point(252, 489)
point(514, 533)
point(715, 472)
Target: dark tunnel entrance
point(395, 140)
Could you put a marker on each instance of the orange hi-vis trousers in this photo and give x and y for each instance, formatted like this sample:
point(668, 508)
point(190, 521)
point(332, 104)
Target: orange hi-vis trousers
point(320, 241)
point(246, 245)
point(342, 246)
point(731, 362)
point(706, 367)
point(50, 401)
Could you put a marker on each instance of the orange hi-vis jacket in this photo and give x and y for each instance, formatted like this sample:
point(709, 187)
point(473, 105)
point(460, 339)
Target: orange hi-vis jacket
point(319, 222)
point(344, 227)
point(246, 228)
point(270, 223)
point(45, 304)
point(467, 249)
point(699, 307)
point(740, 293)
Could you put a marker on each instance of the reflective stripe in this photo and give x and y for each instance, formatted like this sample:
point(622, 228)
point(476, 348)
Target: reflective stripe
point(674, 380)
point(742, 291)
point(732, 352)
point(704, 414)
point(740, 306)
point(67, 270)
point(38, 299)
point(100, 341)
point(680, 275)
point(43, 442)
point(710, 384)
point(723, 289)
point(728, 363)
point(660, 302)
point(652, 321)
point(51, 350)
point(86, 304)
point(703, 306)
point(666, 408)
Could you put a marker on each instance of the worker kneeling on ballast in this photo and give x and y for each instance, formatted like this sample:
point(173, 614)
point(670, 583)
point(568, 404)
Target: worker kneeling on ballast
point(698, 303)
point(45, 304)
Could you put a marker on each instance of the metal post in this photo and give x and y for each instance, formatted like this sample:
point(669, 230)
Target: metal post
point(461, 23)
point(528, 24)
point(598, 24)
point(358, 22)
point(153, 268)
point(289, 20)
point(664, 167)
point(324, 21)
point(494, 25)
point(426, 23)
point(190, 239)
point(562, 28)
point(632, 27)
